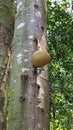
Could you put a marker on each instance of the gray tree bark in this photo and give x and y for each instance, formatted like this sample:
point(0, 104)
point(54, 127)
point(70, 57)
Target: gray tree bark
point(28, 107)
point(6, 35)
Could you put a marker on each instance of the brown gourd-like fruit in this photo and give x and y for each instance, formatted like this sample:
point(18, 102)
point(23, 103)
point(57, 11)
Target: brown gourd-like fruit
point(40, 58)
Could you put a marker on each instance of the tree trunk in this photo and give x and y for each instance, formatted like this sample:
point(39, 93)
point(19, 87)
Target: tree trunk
point(28, 107)
point(6, 35)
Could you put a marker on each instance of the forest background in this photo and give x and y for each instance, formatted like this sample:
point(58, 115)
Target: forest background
point(60, 45)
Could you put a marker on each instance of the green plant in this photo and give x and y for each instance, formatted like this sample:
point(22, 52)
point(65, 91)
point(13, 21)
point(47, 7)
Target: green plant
point(60, 45)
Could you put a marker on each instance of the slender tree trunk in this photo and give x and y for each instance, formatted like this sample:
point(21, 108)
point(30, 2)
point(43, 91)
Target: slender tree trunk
point(53, 116)
point(28, 107)
point(6, 35)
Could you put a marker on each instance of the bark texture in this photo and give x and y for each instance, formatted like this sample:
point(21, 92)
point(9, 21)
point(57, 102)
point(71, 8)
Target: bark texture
point(29, 101)
point(6, 35)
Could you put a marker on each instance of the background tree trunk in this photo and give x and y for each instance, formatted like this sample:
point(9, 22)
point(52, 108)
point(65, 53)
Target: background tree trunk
point(28, 107)
point(6, 35)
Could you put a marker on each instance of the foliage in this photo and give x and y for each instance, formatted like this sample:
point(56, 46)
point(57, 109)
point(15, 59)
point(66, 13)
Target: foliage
point(60, 44)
